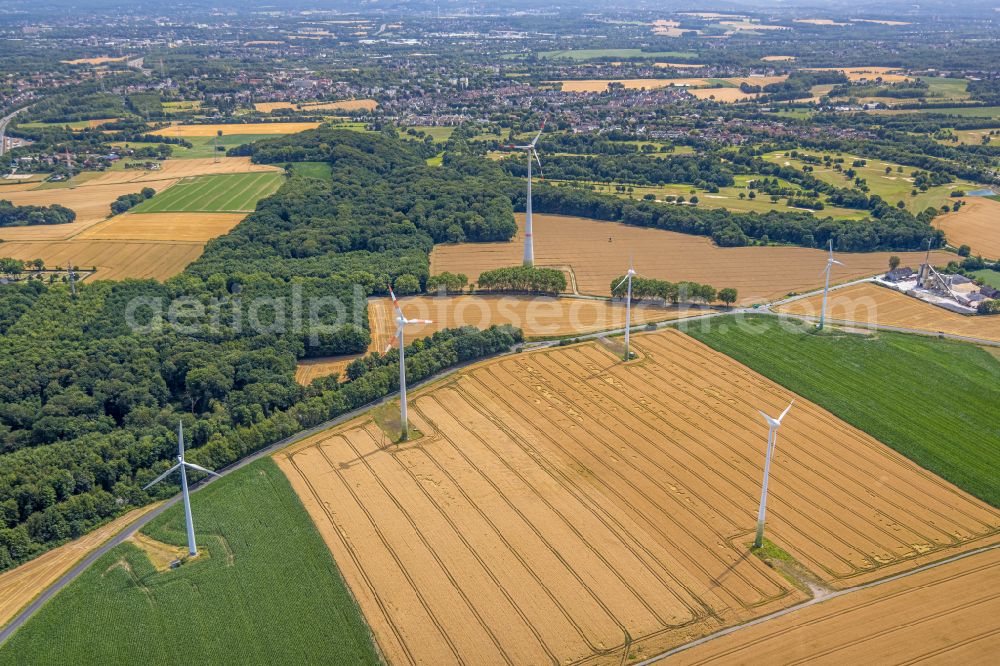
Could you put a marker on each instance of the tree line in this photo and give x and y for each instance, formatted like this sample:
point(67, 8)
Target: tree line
point(672, 292)
point(523, 279)
point(19, 216)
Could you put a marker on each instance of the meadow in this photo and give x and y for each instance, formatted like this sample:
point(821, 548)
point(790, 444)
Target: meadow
point(726, 197)
point(934, 401)
point(204, 146)
point(214, 194)
point(263, 566)
point(562, 506)
point(319, 170)
point(990, 277)
point(893, 186)
point(961, 111)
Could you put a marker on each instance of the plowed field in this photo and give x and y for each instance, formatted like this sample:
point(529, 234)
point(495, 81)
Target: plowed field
point(563, 506)
point(758, 273)
point(872, 304)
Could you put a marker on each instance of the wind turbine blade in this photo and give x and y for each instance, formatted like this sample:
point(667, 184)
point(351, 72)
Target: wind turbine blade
point(770, 422)
point(387, 348)
point(535, 153)
point(839, 263)
point(201, 469)
point(161, 477)
point(419, 321)
point(624, 280)
point(786, 411)
point(540, 130)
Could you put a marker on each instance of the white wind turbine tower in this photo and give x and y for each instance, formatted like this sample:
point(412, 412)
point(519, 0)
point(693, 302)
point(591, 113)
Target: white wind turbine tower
point(772, 435)
point(829, 266)
point(529, 244)
point(628, 306)
point(182, 465)
point(401, 323)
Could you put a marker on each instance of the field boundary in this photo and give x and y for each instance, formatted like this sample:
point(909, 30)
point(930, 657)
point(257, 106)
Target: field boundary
point(812, 602)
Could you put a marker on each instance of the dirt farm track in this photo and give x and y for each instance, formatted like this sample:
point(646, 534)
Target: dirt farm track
point(942, 615)
point(564, 507)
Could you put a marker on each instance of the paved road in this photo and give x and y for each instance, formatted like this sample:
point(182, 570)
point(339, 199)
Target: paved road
point(25, 614)
point(3, 127)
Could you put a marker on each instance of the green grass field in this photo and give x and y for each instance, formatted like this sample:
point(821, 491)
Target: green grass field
point(202, 146)
point(934, 401)
point(236, 192)
point(727, 198)
point(268, 592)
point(319, 170)
point(590, 54)
point(964, 111)
point(946, 90)
point(990, 277)
point(892, 187)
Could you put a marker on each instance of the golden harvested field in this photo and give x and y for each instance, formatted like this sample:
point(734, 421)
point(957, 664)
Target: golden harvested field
point(232, 128)
point(600, 85)
point(942, 615)
point(94, 61)
point(189, 227)
point(346, 105)
point(976, 224)
point(679, 65)
point(309, 369)
point(820, 22)
point(778, 58)
point(887, 74)
point(563, 506)
point(115, 260)
point(723, 94)
point(538, 317)
point(872, 304)
point(20, 585)
point(91, 203)
point(758, 273)
point(176, 169)
point(13, 186)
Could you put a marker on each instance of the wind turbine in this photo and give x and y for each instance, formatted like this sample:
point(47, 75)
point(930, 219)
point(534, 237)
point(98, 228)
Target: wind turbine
point(628, 305)
point(72, 281)
point(829, 266)
point(772, 434)
point(401, 323)
point(181, 465)
point(529, 244)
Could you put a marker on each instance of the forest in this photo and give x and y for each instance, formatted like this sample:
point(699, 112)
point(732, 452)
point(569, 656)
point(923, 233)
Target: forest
point(19, 216)
point(92, 385)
